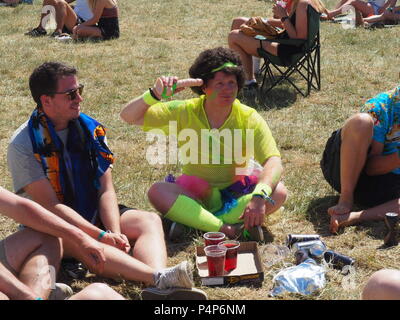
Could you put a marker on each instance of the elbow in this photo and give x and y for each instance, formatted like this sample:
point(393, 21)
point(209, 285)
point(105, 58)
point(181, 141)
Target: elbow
point(126, 117)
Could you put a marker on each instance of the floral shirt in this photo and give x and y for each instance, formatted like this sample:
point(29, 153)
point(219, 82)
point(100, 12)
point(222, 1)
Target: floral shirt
point(385, 110)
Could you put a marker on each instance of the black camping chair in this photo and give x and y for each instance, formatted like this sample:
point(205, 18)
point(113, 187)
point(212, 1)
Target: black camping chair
point(306, 63)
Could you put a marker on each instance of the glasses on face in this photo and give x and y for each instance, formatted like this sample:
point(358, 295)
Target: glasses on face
point(73, 93)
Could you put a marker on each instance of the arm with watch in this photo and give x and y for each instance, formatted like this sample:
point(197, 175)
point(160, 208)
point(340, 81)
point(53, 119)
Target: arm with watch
point(262, 202)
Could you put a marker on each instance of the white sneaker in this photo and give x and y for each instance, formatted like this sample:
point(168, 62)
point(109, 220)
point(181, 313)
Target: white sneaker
point(61, 292)
point(173, 294)
point(63, 37)
point(179, 276)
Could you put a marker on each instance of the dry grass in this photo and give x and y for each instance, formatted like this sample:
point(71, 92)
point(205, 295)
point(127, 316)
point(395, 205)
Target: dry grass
point(164, 37)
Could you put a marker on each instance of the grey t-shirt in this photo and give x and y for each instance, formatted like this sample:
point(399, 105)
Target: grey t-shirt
point(24, 167)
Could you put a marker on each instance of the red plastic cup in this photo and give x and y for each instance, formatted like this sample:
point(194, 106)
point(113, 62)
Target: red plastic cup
point(232, 247)
point(215, 260)
point(211, 238)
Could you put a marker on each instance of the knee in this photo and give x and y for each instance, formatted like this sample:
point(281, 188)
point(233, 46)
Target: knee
point(100, 291)
point(151, 222)
point(142, 222)
point(237, 22)
point(233, 37)
point(360, 125)
point(281, 192)
point(155, 191)
point(383, 285)
point(160, 195)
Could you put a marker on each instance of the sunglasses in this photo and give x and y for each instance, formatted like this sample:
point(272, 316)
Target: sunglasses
point(73, 93)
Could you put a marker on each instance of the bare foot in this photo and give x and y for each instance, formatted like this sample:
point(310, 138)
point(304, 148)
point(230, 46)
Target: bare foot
point(343, 220)
point(340, 208)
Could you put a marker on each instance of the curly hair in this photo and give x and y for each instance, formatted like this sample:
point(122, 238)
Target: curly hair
point(211, 59)
point(44, 79)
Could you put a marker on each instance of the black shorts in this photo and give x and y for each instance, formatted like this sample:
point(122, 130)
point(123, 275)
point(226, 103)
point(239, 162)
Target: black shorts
point(370, 191)
point(122, 209)
point(109, 28)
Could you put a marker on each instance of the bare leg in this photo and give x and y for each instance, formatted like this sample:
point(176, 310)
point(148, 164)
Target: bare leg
point(392, 16)
point(375, 213)
point(145, 229)
point(118, 264)
point(97, 291)
point(36, 261)
point(247, 47)
point(383, 285)
point(364, 8)
point(63, 11)
point(86, 32)
point(356, 139)
point(163, 195)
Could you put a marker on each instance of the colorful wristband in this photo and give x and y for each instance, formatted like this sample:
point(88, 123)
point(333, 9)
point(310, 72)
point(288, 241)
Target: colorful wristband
point(149, 99)
point(262, 186)
point(101, 235)
point(264, 191)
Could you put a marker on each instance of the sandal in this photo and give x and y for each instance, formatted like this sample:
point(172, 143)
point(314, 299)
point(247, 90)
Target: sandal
point(36, 32)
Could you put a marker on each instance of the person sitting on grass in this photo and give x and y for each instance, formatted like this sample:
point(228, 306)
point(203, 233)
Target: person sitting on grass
point(364, 9)
point(389, 16)
point(214, 193)
point(61, 160)
point(362, 162)
point(295, 26)
point(28, 256)
point(66, 17)
point(104, 23)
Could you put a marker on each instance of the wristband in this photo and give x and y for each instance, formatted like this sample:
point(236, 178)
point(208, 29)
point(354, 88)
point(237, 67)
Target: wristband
point(149, 99)
point(153, 94)
point(101, 235)
point(264, 191)
point(284, 18)
point(39, 298)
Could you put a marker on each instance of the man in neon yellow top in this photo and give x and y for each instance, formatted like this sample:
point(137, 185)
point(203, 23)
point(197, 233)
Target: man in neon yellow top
point(216, 136)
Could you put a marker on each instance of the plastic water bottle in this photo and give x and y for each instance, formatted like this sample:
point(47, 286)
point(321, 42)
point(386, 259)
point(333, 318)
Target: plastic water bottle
point(350, 22)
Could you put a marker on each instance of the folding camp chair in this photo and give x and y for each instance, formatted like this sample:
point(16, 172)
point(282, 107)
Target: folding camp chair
point(306, 63)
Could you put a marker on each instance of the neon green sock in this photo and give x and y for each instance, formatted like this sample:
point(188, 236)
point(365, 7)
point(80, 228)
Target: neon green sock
point(190, 213)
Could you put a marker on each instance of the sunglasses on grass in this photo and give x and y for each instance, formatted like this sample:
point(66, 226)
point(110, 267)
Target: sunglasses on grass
point(73, 93)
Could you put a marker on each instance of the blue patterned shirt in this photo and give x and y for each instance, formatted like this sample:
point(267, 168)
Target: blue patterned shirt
point(385, 110)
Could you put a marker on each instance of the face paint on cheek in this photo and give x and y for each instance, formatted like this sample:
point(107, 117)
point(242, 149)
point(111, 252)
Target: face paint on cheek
point(212, 95)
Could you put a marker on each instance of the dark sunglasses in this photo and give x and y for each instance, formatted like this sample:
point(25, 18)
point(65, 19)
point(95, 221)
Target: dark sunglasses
point(73, 93)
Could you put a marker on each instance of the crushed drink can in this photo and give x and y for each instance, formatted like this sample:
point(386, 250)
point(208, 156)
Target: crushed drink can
point(295, 238)
point(337, 260)
point(315, 248)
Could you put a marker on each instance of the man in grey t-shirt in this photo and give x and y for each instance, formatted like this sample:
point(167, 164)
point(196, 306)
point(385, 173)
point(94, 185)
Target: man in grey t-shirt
point(56, 90)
